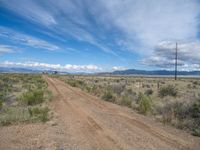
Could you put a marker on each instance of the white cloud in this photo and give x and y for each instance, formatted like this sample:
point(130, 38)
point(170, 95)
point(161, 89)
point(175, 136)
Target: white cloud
point(39, 65)
point(190, 67)
point(164, 55)
point(26, 40)
point(149, 22)
point(118, 68)
point(141, 23)
point(8, 49)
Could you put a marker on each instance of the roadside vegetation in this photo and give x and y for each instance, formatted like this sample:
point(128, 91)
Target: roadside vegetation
point(23, 99)
point(172, 102)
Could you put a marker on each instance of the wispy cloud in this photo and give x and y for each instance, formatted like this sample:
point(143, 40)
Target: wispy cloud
point(27, 40)
point(8, 49)
point(141, 23)
point(148, 22)
point(5, 49)
point(30, 10)
point(47, 66)
point(64, 18)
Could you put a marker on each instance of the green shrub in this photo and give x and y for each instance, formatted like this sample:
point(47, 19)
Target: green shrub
point(2, 96)
point(39, 113)
point(88, 88)
point(145, 104)
point(195, 82)
point(72, 83)
point(118, 88)
point(129, 91)
point(195, 109)
point(196, 132)
point(49, 95)
point(32, 97)
point(75, 83)
point(168, 90)
point(108, 96)
point(14, 115)
point(1, 104)
point(80, 83)
point(173, 111)
point(126, 101)
point(148, 92)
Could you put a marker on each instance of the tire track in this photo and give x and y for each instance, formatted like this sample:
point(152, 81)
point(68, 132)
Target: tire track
point(91, 129)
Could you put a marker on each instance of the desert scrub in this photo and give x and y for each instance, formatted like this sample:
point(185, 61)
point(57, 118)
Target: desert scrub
point(145, 104)
point(168, 90)
point(195, 115)
point(75, 83)
point(183, 115)
point(18, 94)
point(195, 109)
point(71, 83)
point(32, 97)
point(48, 95)
point(1, 104)
point(39, 113)
point(13, 115)
point(126, 101)
point(118, 88)
point(148, 92)
point(108, 96)
point(171, 111)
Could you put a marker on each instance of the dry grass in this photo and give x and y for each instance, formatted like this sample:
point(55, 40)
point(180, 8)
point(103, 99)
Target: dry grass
point(19, 94)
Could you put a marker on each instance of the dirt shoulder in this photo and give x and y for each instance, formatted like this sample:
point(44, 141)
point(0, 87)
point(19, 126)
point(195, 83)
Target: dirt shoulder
point(82, 121)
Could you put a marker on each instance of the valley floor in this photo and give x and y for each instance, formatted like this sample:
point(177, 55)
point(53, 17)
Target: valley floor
point(85, 122)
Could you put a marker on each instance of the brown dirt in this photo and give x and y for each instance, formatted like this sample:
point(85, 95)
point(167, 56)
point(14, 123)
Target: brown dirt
point(82, 121)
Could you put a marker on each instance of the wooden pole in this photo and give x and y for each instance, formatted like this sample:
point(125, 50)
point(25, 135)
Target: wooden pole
point(176, 53)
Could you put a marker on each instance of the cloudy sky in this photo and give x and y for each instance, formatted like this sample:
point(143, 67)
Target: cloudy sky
point(99, 35)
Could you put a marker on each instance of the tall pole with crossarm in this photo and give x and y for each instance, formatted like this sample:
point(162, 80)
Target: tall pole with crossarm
point(176, 56)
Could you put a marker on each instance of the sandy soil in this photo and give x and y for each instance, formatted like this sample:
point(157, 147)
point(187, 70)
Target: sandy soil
point(82, 121)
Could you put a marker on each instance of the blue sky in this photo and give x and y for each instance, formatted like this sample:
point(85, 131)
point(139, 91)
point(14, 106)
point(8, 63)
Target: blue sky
point(101, 35)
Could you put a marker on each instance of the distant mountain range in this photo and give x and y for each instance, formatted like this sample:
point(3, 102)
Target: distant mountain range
point(119, 72)
point(152, 73)
point(17, 70)
point(32, 70)
point(22, 70)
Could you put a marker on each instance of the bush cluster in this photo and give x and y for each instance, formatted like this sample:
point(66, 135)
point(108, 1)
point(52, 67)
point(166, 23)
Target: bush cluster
point(145, 103)
point(1, 104)
point(39, 113)
point(32, 97)
point(148, 92)
point(108, 96)
point(195, 109)
point(126, 101)
point(168, 90)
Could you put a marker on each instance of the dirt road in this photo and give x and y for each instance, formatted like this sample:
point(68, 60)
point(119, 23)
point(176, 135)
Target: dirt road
point(82, 121)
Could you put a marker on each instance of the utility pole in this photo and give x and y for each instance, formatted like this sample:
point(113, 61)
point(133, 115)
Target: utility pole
point(176, 53)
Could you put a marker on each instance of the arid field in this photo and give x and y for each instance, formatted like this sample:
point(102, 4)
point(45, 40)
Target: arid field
point(98, 112)
point(169, 101)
